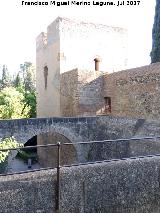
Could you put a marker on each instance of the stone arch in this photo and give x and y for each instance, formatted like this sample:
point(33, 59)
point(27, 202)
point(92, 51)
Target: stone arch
point(64, 131)
point(27, 133)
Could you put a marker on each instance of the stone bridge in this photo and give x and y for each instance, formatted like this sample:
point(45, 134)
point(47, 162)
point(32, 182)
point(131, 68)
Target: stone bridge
point(77, 129)
point(74, 128)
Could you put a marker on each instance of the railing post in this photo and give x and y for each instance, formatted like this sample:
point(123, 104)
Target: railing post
point(58, 177)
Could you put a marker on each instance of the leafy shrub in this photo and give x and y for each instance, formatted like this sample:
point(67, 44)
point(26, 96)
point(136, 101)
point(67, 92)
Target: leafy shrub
point(7, 143)
point(12, 104)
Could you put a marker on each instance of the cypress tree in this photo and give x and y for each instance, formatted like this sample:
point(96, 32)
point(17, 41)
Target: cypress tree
point(155, 53)
point(6, 80)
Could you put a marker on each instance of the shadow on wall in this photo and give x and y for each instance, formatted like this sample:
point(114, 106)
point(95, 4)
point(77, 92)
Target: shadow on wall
point(82, 93)
point(92, 100)
point(47, 156)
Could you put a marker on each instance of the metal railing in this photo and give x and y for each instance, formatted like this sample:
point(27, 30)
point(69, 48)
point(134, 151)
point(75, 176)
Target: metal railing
point(58, 167)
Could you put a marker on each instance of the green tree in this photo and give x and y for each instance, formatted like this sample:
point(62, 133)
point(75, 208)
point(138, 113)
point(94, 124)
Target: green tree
point(155, 53)
point(28, 75)
point(7, 143)
point(6, 79)
point(30, 100)
point(18, 83)
point(25, 84)
point(12, 104)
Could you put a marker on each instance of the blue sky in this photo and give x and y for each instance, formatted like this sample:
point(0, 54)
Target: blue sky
point(20, 26)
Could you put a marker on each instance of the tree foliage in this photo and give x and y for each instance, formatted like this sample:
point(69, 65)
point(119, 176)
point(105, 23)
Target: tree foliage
point(28, 76)
point(17, 83)
point(7, 143)
point(30, 100)
point(28, 79)
point(155, 53)
point(17, 100)
point(12, 104)
point(18, 95)
point(6, 79)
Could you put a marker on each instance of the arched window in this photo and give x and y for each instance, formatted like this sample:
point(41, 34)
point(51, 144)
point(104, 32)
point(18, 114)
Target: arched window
point(45, 76)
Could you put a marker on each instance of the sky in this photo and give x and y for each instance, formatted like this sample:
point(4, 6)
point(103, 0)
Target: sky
point(21, 24)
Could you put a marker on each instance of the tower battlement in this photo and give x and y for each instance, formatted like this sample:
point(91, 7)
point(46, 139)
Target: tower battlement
point(41, 41)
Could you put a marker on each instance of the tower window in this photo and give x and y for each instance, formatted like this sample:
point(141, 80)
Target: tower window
point(107, 104)
point(45, 76)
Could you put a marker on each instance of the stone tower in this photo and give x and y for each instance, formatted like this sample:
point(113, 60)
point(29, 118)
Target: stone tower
point(70, 44)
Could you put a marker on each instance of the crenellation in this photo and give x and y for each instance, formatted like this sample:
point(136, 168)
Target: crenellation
point(53, 32)
point(41, 41)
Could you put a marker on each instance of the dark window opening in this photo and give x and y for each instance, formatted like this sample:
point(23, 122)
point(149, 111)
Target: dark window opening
point(45, 76)
point(107, 104)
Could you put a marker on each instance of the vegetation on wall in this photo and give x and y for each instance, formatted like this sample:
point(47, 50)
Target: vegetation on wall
point(155, 53)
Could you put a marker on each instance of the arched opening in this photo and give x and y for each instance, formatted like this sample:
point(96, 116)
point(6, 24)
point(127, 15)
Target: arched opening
point(29, 156)
point(42, 157)
point(48, 155)
point(24, 159)
point(32, 141)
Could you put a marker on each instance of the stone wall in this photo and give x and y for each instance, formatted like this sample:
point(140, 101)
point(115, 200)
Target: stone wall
point(69, 93)
point(81, 92)
point(134, 92)
point(115, 187)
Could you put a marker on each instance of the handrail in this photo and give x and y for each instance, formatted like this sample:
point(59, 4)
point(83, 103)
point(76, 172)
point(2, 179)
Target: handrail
point(59, 145)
